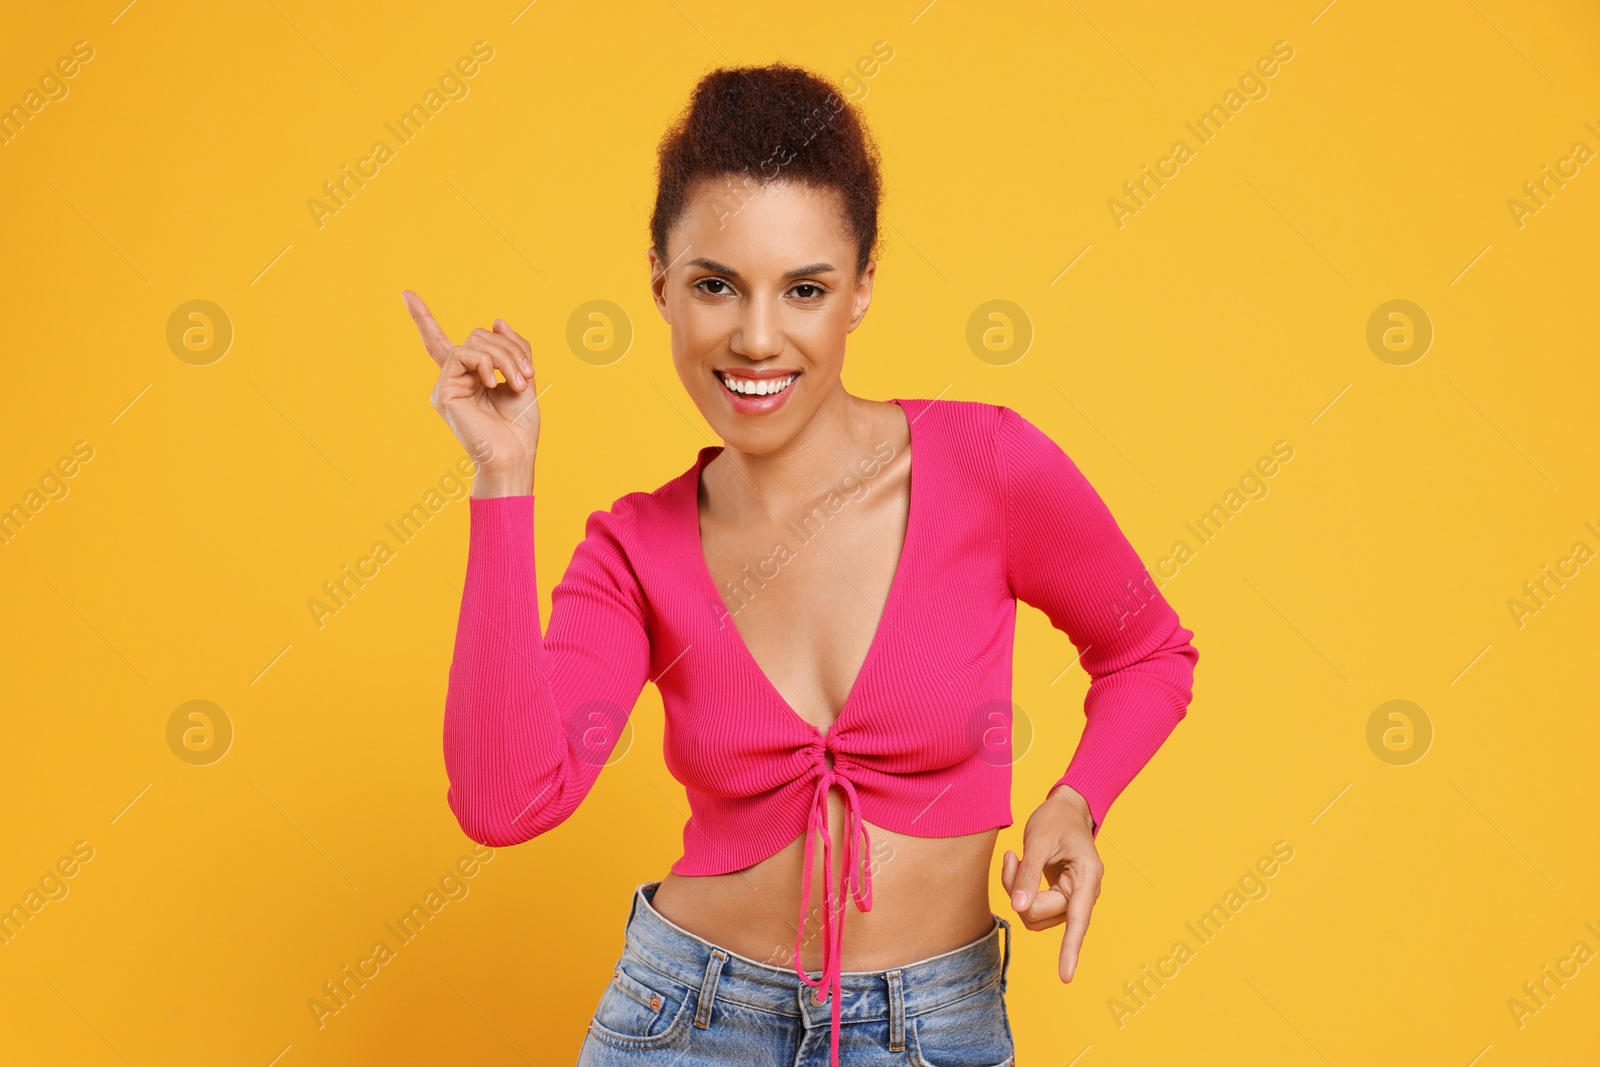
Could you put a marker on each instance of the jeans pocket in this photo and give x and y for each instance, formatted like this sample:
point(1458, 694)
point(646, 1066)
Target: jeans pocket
point(640, 1008)
point(972, 1032)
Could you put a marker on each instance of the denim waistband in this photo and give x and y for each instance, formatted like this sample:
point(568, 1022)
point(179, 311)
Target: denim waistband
point(721, 974)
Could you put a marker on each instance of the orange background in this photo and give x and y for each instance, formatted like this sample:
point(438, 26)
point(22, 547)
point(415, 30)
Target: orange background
point(1167, 355)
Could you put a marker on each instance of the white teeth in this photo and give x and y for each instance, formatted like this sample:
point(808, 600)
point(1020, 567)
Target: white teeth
point(753, 387)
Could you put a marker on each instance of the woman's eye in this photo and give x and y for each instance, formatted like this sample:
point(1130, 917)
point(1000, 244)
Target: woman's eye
point(806, 291)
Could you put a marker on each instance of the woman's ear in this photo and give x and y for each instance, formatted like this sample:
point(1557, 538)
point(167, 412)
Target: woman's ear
point(658, 284)
point(863, 295)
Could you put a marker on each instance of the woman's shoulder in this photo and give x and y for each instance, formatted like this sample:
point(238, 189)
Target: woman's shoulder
point(963, 435)
point(641, 517)
point(1003, 429)
point(949, 413)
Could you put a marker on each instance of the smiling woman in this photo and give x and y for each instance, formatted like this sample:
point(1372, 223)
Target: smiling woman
point(850, 708)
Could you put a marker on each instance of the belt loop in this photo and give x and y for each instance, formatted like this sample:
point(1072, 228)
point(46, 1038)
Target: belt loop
point(708, 988)
point(1005, 962)
point(633, 906)
point(897, 1012)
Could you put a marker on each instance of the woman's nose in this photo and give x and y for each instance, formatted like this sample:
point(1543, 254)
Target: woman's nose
point(759, 334)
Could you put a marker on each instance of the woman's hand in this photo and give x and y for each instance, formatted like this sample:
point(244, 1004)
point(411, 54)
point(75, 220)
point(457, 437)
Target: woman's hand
point(497, 423)
point(1058, 844)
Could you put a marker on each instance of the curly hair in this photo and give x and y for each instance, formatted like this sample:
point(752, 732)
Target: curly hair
point(749, 125)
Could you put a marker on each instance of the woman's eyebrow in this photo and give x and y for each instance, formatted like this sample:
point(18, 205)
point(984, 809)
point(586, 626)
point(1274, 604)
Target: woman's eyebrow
point(815, 268)
point(798, 272)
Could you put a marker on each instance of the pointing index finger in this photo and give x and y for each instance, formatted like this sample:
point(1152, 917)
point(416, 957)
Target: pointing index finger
point(433, 338)
point(1080, 904)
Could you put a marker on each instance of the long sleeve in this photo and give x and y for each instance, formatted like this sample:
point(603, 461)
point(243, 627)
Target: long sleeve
point(530, 721)
point(1066, 556)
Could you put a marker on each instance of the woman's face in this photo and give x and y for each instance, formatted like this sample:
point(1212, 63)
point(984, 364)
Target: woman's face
point(761, 287)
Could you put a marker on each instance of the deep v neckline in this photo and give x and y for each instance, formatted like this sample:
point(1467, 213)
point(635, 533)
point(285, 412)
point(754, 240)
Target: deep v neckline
point(742, 650)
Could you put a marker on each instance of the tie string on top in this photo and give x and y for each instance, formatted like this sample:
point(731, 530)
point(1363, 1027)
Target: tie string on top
point(857, 885)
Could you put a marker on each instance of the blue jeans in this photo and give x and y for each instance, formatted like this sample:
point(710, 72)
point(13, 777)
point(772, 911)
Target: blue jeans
point(677, 999)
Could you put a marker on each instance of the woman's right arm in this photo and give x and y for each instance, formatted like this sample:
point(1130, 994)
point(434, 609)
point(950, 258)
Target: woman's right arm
point(529, 720)
point(529, 723)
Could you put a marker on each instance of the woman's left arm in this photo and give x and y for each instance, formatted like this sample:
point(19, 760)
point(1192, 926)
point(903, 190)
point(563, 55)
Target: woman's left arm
point(1066, 555)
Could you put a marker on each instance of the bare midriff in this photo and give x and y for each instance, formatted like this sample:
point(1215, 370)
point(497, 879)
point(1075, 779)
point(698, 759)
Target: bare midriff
point(929, 895)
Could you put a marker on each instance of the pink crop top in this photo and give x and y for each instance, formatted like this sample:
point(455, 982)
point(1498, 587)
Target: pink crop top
point(922, 746)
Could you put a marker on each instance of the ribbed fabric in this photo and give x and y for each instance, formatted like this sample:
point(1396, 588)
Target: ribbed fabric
point(923, 743)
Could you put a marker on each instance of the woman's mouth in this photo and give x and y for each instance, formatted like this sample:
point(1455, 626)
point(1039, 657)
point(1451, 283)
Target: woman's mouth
point(756, 396)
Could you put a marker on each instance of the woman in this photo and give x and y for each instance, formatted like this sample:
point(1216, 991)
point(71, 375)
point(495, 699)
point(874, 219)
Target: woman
point(827, 604)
